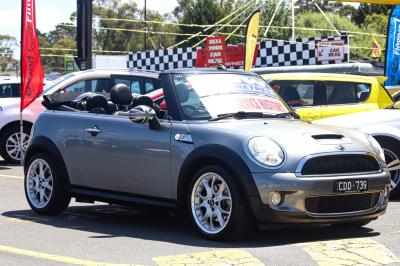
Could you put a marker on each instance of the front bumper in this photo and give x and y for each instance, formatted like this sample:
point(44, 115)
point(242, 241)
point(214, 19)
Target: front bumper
point(295, 190)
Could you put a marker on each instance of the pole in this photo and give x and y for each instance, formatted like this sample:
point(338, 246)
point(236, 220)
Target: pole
point(293, 30)
point(21, 123)
point(145, 19)
point(348, 48)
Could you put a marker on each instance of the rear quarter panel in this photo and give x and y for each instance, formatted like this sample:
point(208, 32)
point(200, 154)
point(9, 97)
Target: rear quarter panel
point(65, 131)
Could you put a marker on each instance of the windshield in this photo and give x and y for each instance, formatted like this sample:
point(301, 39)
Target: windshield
point(56, 82)
point(206, 96)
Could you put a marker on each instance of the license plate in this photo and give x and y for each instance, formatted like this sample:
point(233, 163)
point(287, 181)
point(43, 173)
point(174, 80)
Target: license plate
point(346, 186)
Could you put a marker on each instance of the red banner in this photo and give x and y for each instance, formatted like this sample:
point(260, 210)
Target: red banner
point(234, 56)
point(31, 66)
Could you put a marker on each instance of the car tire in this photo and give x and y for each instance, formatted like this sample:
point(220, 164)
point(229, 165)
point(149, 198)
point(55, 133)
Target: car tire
point(46, 187)
point(224, 201)
point(9, 137)
point(392, 152)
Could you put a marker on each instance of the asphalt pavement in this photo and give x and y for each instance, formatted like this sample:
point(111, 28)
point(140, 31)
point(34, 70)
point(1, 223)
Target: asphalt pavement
point(101, 234)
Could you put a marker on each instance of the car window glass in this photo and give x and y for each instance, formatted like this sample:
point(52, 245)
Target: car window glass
point(9, 90)
point(192, 106)
point(132, 83)
point(76, 87)
point(94, 85)
point(297, 93)
point(148, 86)
point(100, 85)
point(338, 92)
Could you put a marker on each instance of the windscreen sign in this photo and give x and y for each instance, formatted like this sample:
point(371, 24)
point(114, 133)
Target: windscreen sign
point(392, 70)
point(226, 93)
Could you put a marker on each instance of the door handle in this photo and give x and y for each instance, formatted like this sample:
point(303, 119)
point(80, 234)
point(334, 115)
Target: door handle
point(94, 130)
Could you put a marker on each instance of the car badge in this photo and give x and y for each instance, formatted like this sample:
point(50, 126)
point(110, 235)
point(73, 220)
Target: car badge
point(340, 147)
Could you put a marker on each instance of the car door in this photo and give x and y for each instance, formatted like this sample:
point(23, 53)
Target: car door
point(344, 97)
point(302, 95)
point(123, 156)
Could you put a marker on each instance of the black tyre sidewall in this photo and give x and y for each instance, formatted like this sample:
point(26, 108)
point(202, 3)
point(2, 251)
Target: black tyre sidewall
point(3, 139)
point(60, 197)
point(236, 225)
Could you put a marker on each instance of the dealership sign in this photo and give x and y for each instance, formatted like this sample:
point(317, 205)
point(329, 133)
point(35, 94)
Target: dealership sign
point(330, 50)
point(215, 51)
point(234, 57)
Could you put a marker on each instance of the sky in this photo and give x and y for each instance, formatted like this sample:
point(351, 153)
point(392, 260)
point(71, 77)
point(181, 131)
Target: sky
point(51, 12)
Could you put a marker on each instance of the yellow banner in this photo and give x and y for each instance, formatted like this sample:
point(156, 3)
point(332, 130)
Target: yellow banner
point(251, 39)
point(381, 2)
point(376, 48)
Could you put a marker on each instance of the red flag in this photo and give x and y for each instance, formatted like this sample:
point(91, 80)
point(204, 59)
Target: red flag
point(31, 66)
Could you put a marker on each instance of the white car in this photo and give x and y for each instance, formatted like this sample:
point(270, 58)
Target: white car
point(73, 84)
point(384, 126)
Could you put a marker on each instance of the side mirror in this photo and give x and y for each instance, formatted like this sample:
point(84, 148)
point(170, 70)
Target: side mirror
point(396, 105)
point(143, 114)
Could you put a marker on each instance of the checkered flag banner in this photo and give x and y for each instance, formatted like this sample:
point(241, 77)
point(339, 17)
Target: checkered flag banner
point(271, 53)
point(163, 59)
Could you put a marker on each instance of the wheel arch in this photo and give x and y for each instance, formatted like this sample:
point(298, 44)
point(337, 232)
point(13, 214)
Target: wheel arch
point(381, 138)
point(43, 144)
point(215, 155)
point(14, 123)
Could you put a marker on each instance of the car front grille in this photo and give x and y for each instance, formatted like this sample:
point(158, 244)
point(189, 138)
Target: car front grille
point(340, 164)
point(342, 203)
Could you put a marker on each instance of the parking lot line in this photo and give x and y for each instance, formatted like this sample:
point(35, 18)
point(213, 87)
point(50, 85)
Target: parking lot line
point(355, 251)
point(54, 258)
point(12, 176)
point(215, 257)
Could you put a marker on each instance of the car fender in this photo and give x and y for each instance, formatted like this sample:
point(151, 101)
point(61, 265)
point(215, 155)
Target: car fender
point(220, 155)
point(383, 130)
point(43, 144)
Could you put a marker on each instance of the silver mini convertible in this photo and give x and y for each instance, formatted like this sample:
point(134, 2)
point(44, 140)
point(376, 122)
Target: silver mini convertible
point(223, 145)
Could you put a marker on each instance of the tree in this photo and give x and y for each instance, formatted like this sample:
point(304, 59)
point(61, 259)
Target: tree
point(282, 18)
point(368, 9)
point(199, 12)
point(124, 40)
point(7, 45)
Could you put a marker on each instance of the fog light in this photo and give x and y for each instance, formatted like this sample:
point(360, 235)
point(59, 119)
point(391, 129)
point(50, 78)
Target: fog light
point(276, 198)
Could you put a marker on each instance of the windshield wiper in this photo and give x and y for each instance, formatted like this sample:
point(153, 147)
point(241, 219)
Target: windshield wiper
point(241, 115)
point(285, 115)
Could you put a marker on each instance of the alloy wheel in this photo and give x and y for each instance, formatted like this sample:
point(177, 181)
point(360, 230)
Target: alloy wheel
point(39, 183)
point(392, 160)
point(13, 145)
point(211, 203)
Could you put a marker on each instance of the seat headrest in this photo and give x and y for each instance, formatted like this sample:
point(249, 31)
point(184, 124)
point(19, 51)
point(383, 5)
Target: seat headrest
point(143, 100)
point(182, 92)
point(96, 101)
point(121, 94)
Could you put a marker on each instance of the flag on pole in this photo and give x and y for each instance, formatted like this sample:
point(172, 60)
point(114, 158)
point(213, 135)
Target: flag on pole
point(31, 66)
point(393, 48)
point(251, 39)
point(376, 48)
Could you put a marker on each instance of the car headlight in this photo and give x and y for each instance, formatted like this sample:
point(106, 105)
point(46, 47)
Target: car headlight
point(266, 151)
point(376, 147)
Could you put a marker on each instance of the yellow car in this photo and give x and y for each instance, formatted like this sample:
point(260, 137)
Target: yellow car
point(321, 95)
